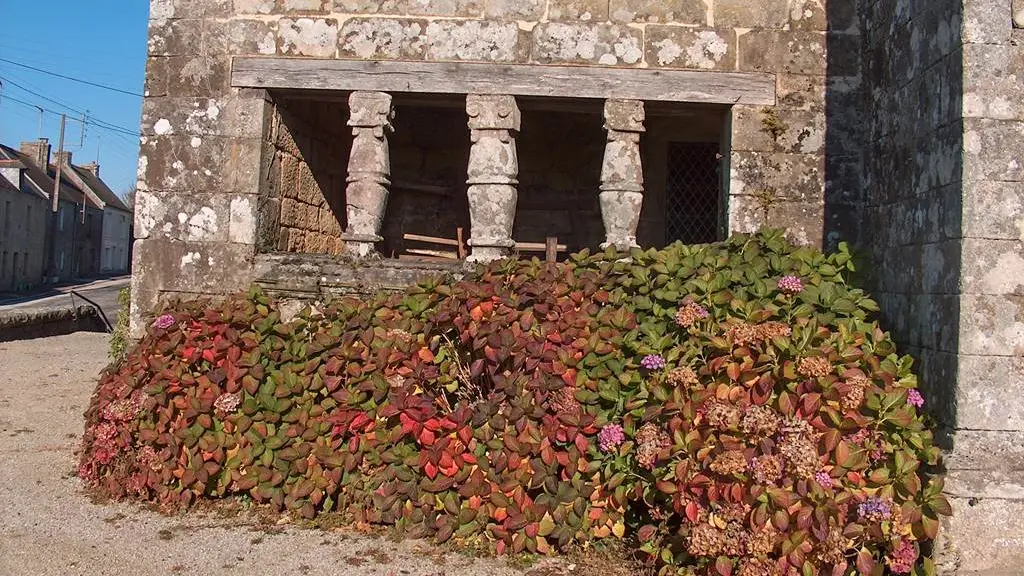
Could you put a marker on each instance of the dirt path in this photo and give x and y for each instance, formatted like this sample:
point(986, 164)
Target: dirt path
point(49, 527)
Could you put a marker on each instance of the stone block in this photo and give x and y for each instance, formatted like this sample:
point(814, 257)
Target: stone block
point(772, 14)
point(993, 149)
point(384, 38)
point(196, 217)
point(309, 190)
point(303, 6)
point(987, 22)
point(577, 10)
point(157, 77)
point(940, 263)
point(196, 117)
point(783, 52)
point(792, 176)
point(993, 266)
point(993, 210)
point(605, 44)
point(993, 81)
point(988, 393)
point(173, 164)
point(289, 176)
point(198, 75)
point(992, 324)
point(292, 213)
point(703, 49)
point(982, 537)
point(1001, 450)
point(802, 131)
point(254, 6)
point(316, 37)
point(475, 40)
point(692, 12)
point(239, 37)
point(159, 9)
point(530, 10)
point(801, 220)
point(195, 267)
point(174, 37)
point(458, 8)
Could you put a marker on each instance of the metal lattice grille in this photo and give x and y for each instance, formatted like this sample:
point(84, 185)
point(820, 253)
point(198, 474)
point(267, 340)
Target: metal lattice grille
point(692, 193)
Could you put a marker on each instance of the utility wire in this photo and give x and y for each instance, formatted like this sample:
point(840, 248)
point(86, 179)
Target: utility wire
point(90, 117)
point(87, 120)
point(73, 79)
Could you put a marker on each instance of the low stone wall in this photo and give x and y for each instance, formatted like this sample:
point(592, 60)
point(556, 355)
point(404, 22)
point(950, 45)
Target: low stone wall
point(17, 325)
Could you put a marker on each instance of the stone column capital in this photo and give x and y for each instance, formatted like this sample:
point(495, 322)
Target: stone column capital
point(371, 110)
point(493, 112)
point(623, 116)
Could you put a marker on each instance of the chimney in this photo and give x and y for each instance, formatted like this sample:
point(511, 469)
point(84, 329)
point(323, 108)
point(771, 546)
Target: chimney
point(64, 158)
point(92, 167)
point(38, 151)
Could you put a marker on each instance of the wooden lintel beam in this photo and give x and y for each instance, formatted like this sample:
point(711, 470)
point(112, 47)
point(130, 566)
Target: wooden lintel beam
point(516, 79)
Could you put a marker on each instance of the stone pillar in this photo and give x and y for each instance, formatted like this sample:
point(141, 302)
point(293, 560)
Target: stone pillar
point(622, 176)
point(369, 169)
point(492, 174)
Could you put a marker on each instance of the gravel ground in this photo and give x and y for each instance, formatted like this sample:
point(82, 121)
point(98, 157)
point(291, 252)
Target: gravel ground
point(48, 526)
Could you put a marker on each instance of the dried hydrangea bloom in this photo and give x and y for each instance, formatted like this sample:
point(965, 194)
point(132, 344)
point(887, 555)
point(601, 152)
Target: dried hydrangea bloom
point(164, 321)
point(735, 512)
point(610, 437)
point(564, 400)
point(721, 415)
point(767, 469)
point(759, 567)
point(854, 396)
point(760, 421)
point(744, 334)
point(762, 540)
point(399, 334)
point(683, 376)
point(706, 540)
point(124, 409)
point(791, 285)
point(148, 458)
point(227, 403)
point(653, 362)
point(770, 330)
point(814, 367)
point(729, 463)
point(801, 455)
point(396, 381)
point(650, 440)
point(689, 313)
point(832, 550)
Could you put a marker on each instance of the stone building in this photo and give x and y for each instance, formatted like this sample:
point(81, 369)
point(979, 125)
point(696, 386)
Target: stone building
point(307, 144)
point(22, 215)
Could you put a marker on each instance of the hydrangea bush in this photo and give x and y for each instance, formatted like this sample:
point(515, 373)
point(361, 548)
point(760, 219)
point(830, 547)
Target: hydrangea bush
point(732, 408)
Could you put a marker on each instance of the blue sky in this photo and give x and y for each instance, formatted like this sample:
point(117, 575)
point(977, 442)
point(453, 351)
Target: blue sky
point(101, 41)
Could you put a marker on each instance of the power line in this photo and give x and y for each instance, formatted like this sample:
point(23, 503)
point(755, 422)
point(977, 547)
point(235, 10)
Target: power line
point(73, 79)
point(87, 120)
point(71, 108)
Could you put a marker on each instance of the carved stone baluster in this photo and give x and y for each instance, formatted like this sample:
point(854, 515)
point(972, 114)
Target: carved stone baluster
point(369, 170)
point(622, 176)
point(492, 174)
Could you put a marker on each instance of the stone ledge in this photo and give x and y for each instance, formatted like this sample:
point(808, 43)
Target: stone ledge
point(17, 325)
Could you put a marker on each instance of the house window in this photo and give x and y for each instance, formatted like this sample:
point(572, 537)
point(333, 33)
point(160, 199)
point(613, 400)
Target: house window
point(24, 264)
point(28, 219)
point(692, 193)
point(3, 265)
point(60, 222)
point(7, 217)
point(62, 261)
point(14, 269)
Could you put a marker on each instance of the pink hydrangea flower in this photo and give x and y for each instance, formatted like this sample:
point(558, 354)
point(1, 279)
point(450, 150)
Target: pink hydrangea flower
point(791, 285)
point(823, 479)
point(902, 559)
point(164, 322)
point(610, 437)
point(914, 398)
point(653, 362)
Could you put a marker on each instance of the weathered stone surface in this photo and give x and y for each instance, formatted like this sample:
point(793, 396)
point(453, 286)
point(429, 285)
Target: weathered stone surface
point(254, 6)
point(789, 176)
point(461, 8)
point(239, 36)
point(531, 10)
point(606, 44)
point(472, 40)
point(316, 37)
point(982, 537)
point(993, 266)
point(203, 217)
point(174, 164)
point(746, 14)
point(993, 210)
point(703, 49)
point(1018, 13)
point(798, 131)
point(993, 149)
point(992, 324)
point(987, 22)
point(384, 38)
point(175, 37)
point(578, 10)
point(197, 75)
point(196, 267)
point(993, 77)
point(622, 175)
point(801, 220)
point(303, 6)
point(988, 396)
point(783, 52)
point(693, 12)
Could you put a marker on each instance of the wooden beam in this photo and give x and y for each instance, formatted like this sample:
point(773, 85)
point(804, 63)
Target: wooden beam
point(514, 79)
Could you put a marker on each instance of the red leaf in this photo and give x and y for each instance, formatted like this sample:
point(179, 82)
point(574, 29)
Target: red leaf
point(427, 437)
point(426, 355)
point(723, 566)
point(569, 376)
point(865, 563)
point(431, 470)
point(692, 511)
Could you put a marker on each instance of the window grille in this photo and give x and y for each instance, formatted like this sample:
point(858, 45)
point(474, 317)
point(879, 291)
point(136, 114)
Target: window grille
point(692, 193)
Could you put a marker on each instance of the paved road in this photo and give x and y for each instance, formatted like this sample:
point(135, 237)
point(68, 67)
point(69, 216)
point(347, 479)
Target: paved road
point(103, 293)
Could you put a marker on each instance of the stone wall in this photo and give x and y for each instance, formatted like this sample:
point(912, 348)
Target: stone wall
point(23, 224)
